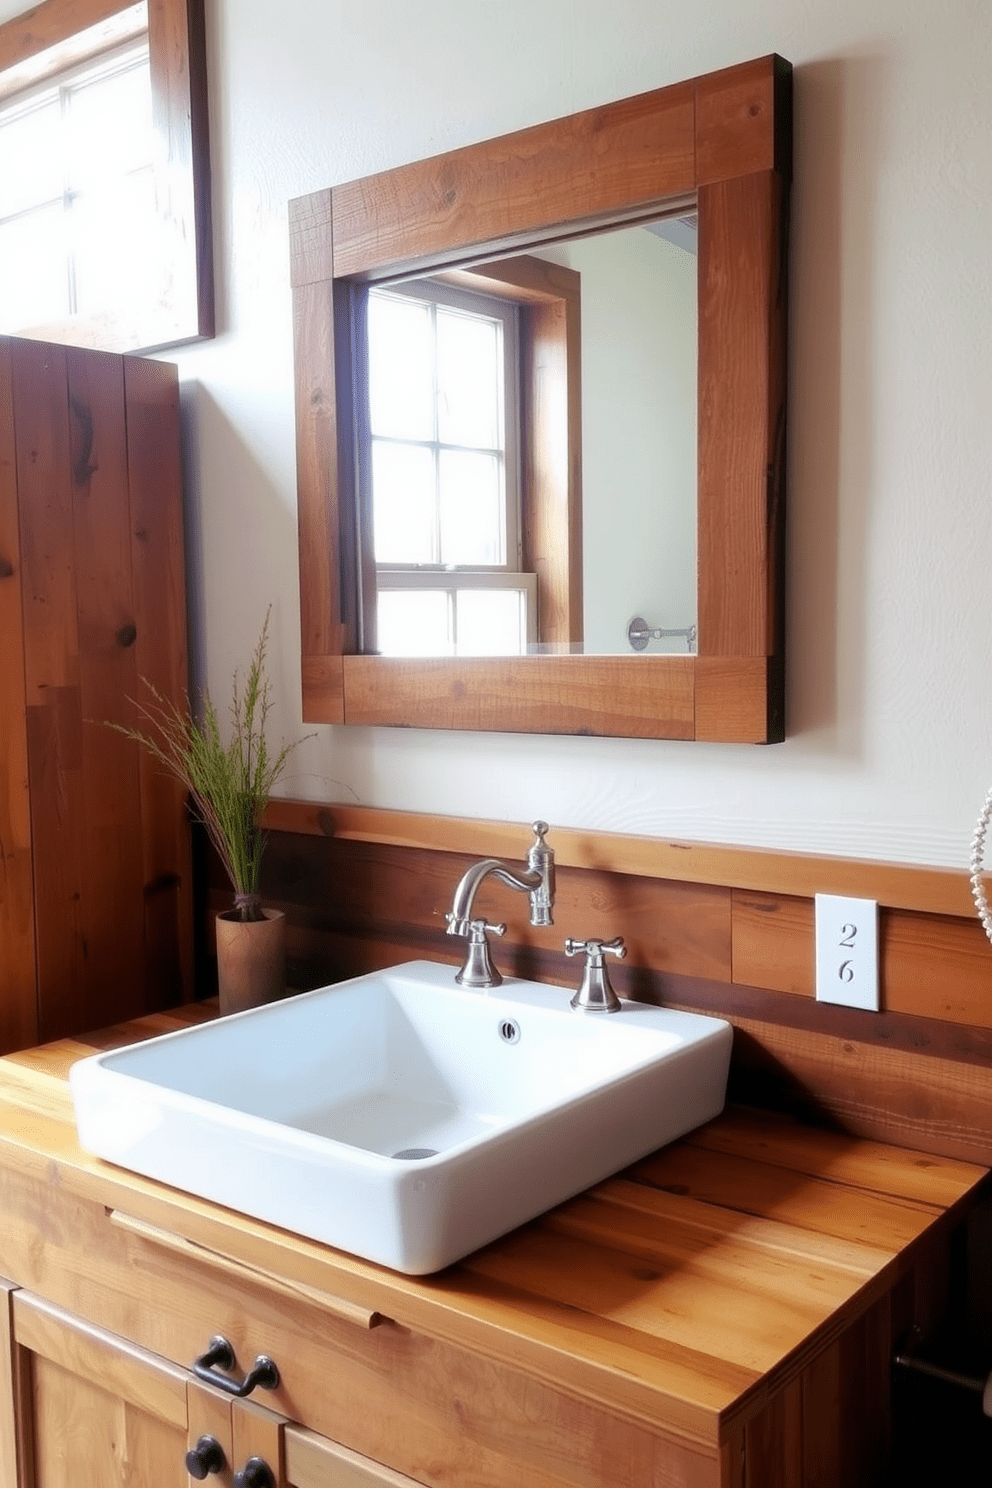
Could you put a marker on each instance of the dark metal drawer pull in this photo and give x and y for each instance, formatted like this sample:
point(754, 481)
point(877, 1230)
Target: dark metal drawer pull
point(220, 1355)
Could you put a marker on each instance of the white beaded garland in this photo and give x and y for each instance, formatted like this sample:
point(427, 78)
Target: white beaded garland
point(977, 861)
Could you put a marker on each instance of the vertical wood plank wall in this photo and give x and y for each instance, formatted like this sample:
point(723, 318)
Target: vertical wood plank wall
point(95, 893)
point(721, 930)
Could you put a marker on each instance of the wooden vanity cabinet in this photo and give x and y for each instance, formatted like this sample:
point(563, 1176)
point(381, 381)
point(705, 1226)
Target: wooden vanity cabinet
point(86, 1407)
point(721, 1315)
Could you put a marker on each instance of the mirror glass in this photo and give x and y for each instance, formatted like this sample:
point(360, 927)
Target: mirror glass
point(464, 404)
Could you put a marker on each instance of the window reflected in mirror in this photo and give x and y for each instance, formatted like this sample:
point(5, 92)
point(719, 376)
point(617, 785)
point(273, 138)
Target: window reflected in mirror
point(527, 450)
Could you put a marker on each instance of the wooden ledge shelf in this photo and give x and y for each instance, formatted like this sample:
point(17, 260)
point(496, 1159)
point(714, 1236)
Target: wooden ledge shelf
point(723, 1312)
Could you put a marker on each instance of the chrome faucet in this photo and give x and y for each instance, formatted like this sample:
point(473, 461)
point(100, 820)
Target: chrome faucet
point(537, 880)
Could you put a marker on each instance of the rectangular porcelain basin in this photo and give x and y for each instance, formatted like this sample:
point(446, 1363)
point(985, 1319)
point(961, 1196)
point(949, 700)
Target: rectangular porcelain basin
point(398, 1116)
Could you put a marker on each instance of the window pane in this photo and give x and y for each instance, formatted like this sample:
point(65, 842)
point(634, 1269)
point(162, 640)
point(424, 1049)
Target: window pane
point(469, 374)
point(110, 127)
point(491, 622)
point(30, 149)
point(471, 508)
point(34, 275)
point(414, 622)
point(404, 508)
point(401, 376)
point(115, 237)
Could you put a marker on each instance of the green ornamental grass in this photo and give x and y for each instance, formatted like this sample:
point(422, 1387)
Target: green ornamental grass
point(229, 783)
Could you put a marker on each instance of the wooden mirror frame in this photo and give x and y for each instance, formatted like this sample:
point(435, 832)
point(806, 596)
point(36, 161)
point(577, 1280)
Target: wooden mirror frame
point(724, 141)
point(177, 61)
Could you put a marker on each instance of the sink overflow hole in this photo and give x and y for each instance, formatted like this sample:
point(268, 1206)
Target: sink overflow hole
point(410, 1154)
point(509, 1031)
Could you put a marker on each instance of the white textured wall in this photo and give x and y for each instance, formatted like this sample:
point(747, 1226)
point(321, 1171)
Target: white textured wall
point(638, 358)
point(890, 542)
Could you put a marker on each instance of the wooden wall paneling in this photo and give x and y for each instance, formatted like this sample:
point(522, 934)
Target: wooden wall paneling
point(51, 661)
point(773, 942)
point(934, 1102)
point(389, 892)
point(936, 967)
point(157, 563)
point(762, 870)
point(18, 976)
point(112, 904)
point(930, 966)
point(44, 462)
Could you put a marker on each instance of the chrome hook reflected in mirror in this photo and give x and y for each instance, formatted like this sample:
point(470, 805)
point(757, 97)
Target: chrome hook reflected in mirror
point(639, 632)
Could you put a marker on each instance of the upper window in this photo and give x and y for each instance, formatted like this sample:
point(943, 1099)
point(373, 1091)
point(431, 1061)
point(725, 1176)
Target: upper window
point(440, 460)
point(77, 194)
point(104, 186)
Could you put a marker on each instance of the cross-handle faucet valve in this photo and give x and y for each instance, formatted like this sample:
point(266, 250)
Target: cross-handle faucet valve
point(596, 995)
point(479, 970)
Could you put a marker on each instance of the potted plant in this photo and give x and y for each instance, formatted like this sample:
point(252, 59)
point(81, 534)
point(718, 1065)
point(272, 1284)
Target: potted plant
point(229, 786)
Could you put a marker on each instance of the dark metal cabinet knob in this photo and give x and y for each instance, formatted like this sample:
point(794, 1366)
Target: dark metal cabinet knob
point(205, 1458)
point(256, 1473)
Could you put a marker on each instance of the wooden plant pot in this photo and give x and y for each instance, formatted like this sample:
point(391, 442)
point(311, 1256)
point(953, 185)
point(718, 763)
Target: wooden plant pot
point(251, 960)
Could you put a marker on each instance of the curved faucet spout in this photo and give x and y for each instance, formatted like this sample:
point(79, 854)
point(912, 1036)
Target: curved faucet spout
point(461, 915)
point(537, 880)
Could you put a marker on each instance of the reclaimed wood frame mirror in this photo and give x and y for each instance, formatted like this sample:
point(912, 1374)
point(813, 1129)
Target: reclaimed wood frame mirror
point(171, 273)
point(720, 143)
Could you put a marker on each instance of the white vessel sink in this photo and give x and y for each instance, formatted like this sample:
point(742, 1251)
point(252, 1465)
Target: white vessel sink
point(398, 1116)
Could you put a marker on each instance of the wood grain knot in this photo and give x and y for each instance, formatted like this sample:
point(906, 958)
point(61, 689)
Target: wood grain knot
point(82, 466)
point(161, 884)
point(127, 635)
point(6, 569)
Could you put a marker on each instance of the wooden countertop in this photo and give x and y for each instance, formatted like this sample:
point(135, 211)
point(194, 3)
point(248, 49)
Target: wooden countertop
point(687, 1289)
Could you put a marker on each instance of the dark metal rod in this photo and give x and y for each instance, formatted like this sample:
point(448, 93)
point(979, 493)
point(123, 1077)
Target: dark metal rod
point(935, 1371)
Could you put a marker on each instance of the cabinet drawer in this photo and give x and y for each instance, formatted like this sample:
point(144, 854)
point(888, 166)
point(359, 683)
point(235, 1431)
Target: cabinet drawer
point(431, 1410)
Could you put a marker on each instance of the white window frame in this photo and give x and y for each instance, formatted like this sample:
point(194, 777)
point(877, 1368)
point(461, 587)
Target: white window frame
point(438, 576)
point(116, 58)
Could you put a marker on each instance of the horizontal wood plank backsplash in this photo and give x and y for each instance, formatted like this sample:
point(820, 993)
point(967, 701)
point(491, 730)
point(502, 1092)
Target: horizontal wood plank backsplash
point(719, 929)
